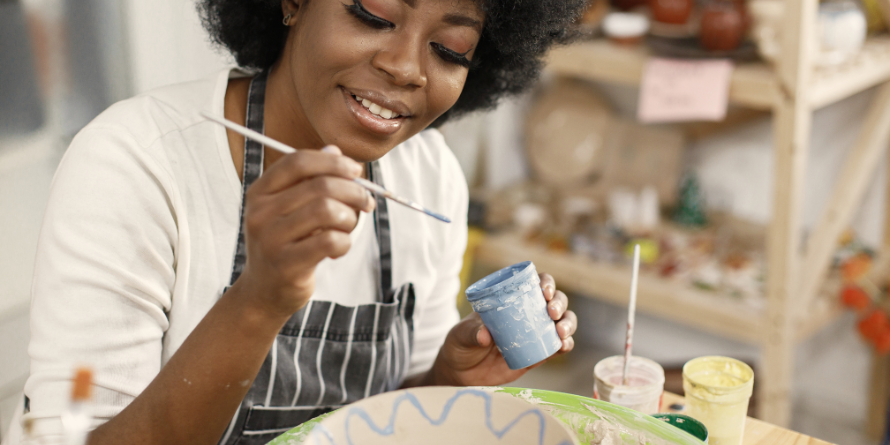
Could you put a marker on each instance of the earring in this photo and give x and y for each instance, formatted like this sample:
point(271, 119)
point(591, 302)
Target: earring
point(286, 21)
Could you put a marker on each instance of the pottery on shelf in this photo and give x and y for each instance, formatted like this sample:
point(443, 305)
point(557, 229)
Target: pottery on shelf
point(625, 28)
point(627, 5)
point(722, 26)
point(841, 31)
point(766, 25)
point(675, 12)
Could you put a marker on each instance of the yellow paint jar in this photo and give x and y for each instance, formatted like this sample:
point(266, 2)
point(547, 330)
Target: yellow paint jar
point(717, 393)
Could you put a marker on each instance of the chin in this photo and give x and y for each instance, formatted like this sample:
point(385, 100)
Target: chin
point(365, 150)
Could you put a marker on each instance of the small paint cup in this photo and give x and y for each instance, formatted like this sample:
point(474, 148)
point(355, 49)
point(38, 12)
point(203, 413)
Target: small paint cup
point(512, 306)
point(645, 383)
point(717, 393)
point(685, 423)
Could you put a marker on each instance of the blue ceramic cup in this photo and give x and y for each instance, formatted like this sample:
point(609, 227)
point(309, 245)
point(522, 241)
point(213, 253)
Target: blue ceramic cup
point(512, 306)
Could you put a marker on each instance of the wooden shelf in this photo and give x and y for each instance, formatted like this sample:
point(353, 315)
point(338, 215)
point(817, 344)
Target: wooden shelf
point(712, 312)
point(754, 85)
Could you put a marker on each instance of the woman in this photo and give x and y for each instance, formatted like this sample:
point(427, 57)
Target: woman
point(225, 293)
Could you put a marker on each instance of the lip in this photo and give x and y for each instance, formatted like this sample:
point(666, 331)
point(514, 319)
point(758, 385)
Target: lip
point(371, 121)
point(382, 100)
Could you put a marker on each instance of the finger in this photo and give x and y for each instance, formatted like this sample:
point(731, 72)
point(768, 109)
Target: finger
point(304, 164)
point(320, 214)
point(483, 337)
point(333, 149)
point(567, 345)
point(567, 326)
point(467, 332)
point(557, 307)
point(548, 285)
point(310, 251)
point(344, 190)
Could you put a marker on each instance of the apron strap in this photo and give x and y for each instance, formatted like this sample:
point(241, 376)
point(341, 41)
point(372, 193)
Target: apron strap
point(253, 159)
point(253, 168)
point(381, 228)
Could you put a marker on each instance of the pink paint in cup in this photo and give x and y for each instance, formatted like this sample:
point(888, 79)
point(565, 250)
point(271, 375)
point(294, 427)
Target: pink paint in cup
point(645, 383)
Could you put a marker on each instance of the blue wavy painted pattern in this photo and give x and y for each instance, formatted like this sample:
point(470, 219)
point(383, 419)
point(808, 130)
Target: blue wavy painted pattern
point(389, 428)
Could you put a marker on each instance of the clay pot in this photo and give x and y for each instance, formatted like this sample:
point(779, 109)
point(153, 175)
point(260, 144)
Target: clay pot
point(722, 26)
point(627, 5)
point(625, 28)
point(675, 12)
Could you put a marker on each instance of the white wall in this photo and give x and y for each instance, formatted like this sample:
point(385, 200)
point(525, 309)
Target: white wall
point(26, 168)
point(163, 43)
point(167, 44)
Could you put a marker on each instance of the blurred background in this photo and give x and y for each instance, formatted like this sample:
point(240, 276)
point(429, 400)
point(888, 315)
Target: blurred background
point(567, 176)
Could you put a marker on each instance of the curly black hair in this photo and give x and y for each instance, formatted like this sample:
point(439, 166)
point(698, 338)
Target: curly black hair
point(507, 61)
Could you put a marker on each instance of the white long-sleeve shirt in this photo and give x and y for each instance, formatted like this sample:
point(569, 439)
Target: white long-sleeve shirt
point(139, 237)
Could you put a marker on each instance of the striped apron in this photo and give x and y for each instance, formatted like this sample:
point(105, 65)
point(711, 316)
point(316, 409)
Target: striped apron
point(327, 355)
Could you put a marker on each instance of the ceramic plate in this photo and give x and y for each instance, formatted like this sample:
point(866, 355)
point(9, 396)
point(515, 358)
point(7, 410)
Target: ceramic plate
point(591, 421)
point(440, 416)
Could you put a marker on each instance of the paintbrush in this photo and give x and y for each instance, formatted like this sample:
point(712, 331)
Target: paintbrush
point(286, 149)
point(631, 312)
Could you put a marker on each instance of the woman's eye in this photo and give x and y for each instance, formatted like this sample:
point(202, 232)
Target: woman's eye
point(451, 56)
point(358, 11)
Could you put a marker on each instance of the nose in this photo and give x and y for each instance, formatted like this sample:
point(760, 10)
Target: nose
point(402, 62)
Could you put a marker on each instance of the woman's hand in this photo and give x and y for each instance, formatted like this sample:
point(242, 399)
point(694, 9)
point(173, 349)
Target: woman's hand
point(298, 213)
point(469, 356)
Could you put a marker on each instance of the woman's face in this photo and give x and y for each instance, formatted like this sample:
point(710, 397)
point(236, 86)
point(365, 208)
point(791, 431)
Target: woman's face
point(369, 74)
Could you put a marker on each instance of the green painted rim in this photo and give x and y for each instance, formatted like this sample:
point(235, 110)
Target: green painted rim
point(576, 412)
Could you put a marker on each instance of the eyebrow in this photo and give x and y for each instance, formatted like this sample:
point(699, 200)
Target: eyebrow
point(453, 19)
point(462, 20)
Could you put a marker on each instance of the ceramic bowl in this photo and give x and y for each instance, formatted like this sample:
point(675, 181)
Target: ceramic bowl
point(441, 415)
point(591, 421)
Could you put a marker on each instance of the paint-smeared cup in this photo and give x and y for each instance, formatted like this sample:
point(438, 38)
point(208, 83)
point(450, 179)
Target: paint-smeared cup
point(645, 383)
point(512, 306)
point(717, 393)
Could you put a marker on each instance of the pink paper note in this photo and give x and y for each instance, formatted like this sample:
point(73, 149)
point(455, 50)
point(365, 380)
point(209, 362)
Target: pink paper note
point(684, 90)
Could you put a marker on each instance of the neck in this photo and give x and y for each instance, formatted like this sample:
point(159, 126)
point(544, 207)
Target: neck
point(285, 119)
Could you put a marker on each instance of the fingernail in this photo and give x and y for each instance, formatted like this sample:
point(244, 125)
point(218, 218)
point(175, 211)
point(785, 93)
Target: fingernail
point(372, 203)
point(332, 149)
point(555, 306)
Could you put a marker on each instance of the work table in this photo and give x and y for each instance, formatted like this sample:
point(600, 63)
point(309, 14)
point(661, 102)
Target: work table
point(757, 432)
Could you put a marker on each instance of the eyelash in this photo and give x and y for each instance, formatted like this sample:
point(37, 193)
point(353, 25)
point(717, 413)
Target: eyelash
point(359, 12)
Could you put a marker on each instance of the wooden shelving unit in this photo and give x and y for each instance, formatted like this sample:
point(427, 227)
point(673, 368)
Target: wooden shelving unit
point(710, 311)
point(753, 85)
point(797, 271)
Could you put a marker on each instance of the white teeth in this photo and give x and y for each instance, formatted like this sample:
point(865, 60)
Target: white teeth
point(377, 109)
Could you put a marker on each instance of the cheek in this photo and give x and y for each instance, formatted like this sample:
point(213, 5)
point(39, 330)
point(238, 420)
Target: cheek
point(321, 51)
point(447, 89)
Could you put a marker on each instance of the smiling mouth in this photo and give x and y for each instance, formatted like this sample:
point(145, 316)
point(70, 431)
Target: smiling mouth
point(375, 109)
